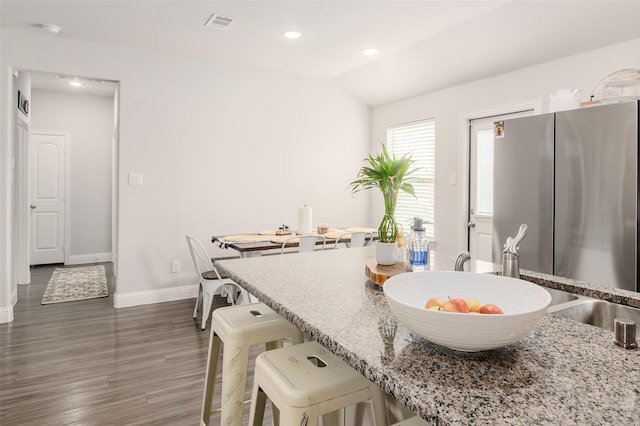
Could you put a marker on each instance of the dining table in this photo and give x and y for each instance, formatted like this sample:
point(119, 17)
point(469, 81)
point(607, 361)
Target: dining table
point(258, 243)
point(564, 372)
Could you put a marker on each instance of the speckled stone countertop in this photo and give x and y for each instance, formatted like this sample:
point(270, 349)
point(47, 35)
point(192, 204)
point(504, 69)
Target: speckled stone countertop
point(563, 373)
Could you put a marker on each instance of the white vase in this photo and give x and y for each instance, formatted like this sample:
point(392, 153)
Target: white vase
point(386, 253)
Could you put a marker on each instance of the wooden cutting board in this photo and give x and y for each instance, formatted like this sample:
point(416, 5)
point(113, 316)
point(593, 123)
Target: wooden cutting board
point(378, 274)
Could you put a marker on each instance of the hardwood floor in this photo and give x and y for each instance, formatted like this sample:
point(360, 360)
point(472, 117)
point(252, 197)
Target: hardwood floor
point(86, 363)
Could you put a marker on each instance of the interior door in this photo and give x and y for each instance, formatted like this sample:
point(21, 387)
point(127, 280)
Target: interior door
point(46, 198)
point(482, 132)
point(481, 189)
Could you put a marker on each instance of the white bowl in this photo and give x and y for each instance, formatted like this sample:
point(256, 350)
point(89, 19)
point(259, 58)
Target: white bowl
point(523, 303)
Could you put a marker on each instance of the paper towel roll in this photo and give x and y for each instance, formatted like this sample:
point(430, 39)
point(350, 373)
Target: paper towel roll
point(304, 220)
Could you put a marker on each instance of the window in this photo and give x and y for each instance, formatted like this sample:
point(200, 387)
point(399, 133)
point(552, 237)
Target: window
point(419, 140)
point(484, 173)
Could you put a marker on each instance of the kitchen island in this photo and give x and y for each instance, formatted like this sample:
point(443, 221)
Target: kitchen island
point(564, 372)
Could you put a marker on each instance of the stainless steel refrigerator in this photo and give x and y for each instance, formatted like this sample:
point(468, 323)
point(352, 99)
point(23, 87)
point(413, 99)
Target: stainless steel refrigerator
point(572, 177)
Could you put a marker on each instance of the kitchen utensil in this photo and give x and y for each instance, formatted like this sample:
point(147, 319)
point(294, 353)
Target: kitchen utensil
point(522, 232)
point(507, 245)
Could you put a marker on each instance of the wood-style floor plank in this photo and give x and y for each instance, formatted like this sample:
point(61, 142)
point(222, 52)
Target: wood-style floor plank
point(86, 363)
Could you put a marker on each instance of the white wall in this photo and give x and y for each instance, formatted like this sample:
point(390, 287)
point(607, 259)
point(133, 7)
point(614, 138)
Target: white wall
point(450, 106)
point(89, 122)
point(223, 149)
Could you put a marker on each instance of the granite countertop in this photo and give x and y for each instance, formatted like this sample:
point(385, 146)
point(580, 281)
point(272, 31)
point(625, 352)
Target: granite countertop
point(564, 372)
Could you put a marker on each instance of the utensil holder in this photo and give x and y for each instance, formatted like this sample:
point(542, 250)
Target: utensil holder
point(510, 265)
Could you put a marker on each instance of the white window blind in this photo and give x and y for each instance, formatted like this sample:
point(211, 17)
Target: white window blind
point(419, 140)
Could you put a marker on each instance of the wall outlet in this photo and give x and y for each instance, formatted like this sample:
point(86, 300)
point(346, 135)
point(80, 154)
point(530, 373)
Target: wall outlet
point(175, 266)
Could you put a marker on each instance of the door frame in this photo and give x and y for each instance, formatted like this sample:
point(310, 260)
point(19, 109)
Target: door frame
point(465, 122)
point(67, 192)
point(21, 241)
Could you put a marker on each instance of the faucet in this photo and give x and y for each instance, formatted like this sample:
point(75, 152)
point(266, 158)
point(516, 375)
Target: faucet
point(460, 260)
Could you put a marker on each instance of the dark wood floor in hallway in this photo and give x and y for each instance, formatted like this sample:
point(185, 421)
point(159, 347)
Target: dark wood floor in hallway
point(86, 363)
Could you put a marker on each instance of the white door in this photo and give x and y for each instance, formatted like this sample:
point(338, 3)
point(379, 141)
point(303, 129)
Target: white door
point(481, 189)
point(46, 198)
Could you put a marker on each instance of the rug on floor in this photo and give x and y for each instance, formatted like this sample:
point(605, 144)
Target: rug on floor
point(69, 284)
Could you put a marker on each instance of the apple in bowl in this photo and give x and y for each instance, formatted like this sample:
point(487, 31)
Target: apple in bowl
point(523, 305)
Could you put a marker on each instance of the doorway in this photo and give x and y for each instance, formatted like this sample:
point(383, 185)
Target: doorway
point(480, 226)
point(82, 120)
point(478, 220)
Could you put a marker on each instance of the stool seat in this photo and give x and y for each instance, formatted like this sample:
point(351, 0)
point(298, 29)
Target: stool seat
point(253, 321)
point(237, 328)
point(312, 376)
point(307, 381)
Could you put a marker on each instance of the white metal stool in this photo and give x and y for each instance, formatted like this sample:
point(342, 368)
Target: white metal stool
point(307, 381)
point(238, 328)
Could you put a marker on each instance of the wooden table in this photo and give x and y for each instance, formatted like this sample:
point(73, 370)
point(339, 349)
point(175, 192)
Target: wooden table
point(257, 248)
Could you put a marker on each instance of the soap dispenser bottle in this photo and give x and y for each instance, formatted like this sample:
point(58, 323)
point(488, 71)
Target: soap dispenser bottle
point(419, 247)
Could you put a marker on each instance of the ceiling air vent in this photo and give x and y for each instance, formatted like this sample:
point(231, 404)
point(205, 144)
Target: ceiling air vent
point(219, 21)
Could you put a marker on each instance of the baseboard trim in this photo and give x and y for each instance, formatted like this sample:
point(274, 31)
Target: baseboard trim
point(6, 314)
point(80, 259)
point(124, 300)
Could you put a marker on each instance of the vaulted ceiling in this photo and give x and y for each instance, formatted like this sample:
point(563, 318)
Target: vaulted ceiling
point(423, 45)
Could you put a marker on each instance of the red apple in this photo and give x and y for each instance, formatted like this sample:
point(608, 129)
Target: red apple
point(455, 305)
point(490, 309)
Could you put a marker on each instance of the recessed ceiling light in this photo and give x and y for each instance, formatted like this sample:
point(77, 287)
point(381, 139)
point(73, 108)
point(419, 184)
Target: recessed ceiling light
point(369, 51)
point(75, 83)
point(51, 29)
point(292, 35)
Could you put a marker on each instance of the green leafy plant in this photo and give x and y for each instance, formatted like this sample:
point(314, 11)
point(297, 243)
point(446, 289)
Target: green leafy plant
point(391, 175)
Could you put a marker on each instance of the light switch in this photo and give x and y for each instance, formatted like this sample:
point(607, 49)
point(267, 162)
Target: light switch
point(135, 179)
point(452, 179)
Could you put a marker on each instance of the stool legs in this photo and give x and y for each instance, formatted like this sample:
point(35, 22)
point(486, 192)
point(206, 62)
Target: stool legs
point(306, 416)
point(258, 401)
point(235, 360)
point(234, 364)
point(378, 405)
point(210, 377)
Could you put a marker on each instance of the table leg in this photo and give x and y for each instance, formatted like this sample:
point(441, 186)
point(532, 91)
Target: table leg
point(251, 254)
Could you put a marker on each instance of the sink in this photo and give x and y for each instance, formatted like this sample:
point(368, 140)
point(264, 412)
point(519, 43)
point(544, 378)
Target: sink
point(559, 296)
point(595, 312)
point(588, 310)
